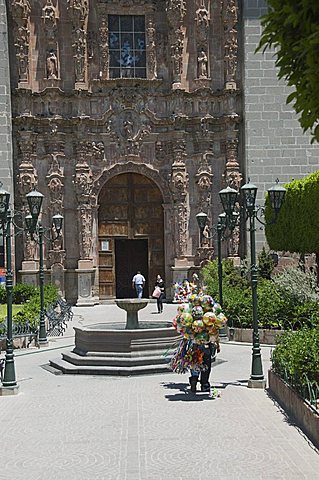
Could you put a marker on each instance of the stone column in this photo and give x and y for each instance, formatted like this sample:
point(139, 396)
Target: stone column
point(176, 10)
point(51, 47)
point(230, 20)
point(202, 20)
point(83, 182)
point(21, 10)
point(27, 181)
point(79, 10)
point(54, 142)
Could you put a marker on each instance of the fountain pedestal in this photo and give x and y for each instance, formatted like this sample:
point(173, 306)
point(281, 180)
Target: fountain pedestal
point(132, 307)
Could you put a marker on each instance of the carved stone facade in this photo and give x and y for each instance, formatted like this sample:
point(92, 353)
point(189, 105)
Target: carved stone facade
point(164, 111)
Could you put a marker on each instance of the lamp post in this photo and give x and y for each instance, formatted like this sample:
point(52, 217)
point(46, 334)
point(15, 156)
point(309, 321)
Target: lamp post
point(9, 383)
point(276, 197)
point(36, 231)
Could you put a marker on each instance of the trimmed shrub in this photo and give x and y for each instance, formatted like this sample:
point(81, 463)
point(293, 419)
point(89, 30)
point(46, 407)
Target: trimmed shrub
point(297, 354)
point(22, 292)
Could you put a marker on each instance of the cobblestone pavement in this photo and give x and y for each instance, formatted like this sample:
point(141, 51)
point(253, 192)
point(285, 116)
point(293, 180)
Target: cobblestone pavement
point(63, 427)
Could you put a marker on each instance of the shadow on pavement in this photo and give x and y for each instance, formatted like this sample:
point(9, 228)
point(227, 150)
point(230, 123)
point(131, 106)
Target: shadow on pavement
point(186, 395)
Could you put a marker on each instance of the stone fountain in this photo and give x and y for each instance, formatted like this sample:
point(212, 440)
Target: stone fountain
point(136, 347)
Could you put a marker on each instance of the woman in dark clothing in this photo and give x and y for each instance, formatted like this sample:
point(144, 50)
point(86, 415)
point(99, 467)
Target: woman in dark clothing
point(160, 284)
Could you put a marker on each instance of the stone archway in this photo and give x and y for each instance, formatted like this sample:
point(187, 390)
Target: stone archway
point(131, 234)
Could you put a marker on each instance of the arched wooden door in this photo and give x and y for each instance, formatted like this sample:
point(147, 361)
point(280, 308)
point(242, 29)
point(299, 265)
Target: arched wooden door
point(131, 234)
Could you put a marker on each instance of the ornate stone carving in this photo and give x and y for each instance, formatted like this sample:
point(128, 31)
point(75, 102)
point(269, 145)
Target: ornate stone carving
point(104, 48)
point(129, 128)
point(52, 71)
point(204, 181)
point(204, 255)
point(151, 50)
point(232, 173)
point(21, 12)
point(85, 222)
point(202, 64)
point(55, 179)
point(230, 19)
point(79, 10)
point(233, 178)
point(176, 10)
point(49, 16)
point(202, 23)
point(83, 181)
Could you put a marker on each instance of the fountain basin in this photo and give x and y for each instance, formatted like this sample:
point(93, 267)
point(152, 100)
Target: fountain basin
point(113, 349)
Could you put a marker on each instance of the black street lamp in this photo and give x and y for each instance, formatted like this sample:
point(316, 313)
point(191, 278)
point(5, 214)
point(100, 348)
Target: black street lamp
point(276, 197)
point(36, 231)
point(9, 383)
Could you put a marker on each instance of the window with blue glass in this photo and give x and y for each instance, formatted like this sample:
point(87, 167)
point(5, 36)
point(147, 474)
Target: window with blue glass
point(127, 46)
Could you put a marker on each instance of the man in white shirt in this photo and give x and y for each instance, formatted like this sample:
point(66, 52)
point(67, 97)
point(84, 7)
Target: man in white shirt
point(138, 283)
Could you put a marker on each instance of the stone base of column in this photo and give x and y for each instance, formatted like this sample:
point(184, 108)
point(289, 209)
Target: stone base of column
point(85, 273)
point(6, 391)
point(256, 383)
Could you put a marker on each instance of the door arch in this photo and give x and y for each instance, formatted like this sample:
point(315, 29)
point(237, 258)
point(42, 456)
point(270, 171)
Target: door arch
point(131, 234)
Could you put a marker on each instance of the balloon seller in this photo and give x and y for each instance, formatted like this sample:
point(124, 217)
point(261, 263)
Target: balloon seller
point(198, 321)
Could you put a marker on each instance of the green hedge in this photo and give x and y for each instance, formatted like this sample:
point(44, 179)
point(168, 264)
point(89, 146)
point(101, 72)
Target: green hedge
point(296, 355)
point(297, 225)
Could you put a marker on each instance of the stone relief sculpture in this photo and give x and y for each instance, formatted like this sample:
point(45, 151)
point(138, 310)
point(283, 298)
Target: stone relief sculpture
point(21, 10)
point(201, 34)
point(151, 50)
point(202, 64)
point(179, 187)
point(52, 65)
point(204, 182)
point(176, 10)
point(104, 48)
point(79, 10)
point(230, 19)
point(50, 21)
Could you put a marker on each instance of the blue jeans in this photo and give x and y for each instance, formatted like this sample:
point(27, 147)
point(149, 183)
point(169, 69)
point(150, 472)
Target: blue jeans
point(139, 290)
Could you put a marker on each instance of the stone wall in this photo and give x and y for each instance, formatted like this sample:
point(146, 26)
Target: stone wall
point(274, 145)
point(6, 168)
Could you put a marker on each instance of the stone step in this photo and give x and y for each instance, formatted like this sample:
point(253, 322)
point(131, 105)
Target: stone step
point(109, 360)
point(69, 368)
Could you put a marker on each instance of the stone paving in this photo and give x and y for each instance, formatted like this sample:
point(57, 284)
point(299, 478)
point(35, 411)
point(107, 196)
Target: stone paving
point(64, 427)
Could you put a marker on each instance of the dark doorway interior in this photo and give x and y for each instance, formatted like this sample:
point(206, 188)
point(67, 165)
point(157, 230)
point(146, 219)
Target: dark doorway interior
point(130, 256)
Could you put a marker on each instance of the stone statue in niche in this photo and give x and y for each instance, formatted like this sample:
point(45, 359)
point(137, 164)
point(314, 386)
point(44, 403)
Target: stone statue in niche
point(52, 65)
point(202, 64)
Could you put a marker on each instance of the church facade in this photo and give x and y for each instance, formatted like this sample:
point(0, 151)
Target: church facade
point(126, 117)
point(129, 116)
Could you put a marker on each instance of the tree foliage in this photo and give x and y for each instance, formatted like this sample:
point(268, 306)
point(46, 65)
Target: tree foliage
point(292, 28)
point(297, 225)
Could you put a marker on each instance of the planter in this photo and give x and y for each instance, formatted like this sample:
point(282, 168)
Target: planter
point(267, 337)
point(306, 417)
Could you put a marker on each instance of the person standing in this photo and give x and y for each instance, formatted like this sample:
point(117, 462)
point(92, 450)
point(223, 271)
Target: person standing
point(138, 283)
point(161, 285)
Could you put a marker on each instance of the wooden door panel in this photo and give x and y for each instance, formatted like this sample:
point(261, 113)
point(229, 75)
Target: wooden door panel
point(130, 208)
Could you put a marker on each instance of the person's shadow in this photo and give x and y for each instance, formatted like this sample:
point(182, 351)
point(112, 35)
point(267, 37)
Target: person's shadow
point(185, 395)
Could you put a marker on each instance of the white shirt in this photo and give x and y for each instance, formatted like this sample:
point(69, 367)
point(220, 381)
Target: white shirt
point(138, 279)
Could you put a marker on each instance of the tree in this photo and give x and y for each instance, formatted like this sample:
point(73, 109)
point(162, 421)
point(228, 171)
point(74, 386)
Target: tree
point(292, 28)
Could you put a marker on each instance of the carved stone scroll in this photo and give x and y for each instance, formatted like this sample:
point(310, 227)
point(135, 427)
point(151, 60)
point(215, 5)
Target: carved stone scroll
point(230, 20)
